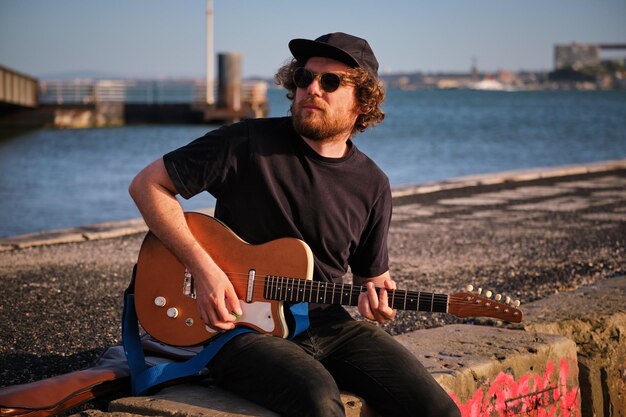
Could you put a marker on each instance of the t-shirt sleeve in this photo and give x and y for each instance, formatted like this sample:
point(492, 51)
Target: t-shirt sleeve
point(371, 257)
point(206, 163)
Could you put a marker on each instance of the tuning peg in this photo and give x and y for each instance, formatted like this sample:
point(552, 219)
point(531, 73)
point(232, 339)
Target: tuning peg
point(516, 303)
point(469, 288)
point(479, 290)
point(498, 297)
point(507, 300)
point(488, 294)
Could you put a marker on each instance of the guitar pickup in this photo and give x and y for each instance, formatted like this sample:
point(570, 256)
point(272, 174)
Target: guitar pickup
point(188, 287)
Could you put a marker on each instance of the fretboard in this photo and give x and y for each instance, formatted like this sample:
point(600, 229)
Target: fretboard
point(300, 290)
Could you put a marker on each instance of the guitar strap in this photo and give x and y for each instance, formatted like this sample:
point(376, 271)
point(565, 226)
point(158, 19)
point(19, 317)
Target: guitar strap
point(143, 378)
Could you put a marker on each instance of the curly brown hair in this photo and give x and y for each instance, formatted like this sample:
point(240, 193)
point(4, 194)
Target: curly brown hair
point(369, 92)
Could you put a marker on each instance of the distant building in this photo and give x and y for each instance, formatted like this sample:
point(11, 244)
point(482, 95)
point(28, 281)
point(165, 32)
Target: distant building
point(576, 56)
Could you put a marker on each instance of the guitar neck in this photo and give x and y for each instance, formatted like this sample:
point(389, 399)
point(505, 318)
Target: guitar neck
point(300, 290)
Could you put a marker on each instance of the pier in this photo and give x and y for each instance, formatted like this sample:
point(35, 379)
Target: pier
point(108, 103)
point(17, 91)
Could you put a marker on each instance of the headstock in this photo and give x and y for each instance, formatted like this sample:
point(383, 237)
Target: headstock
point(477, 304)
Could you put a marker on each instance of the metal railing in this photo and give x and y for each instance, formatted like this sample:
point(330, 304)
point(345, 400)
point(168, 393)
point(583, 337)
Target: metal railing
point(138, 92)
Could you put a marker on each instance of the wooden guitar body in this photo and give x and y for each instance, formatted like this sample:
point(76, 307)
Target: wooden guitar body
point(168, 311)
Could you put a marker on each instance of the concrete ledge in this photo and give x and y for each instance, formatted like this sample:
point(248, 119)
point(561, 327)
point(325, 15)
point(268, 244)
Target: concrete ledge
point(490, 368)
point(189, 400)
point(479, 366)
point(75, 234)
point(595, 318)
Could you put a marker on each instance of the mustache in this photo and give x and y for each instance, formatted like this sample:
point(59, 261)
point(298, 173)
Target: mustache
point(312, 101)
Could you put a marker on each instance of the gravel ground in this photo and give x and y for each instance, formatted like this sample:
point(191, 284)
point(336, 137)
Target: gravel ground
point(60, 305)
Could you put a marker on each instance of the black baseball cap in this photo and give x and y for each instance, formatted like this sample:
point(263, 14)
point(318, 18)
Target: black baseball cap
point(351, 50)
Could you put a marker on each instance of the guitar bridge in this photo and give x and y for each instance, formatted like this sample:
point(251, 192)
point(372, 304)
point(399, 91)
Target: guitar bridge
point(188, 288)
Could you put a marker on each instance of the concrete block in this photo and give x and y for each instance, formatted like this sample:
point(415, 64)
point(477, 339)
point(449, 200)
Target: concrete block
point(595, 318)
point(499, 372)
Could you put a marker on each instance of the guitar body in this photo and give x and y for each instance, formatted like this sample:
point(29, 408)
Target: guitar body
point(169, 313)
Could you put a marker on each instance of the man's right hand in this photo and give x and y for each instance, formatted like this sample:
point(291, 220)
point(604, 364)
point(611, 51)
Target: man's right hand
point(216, 298)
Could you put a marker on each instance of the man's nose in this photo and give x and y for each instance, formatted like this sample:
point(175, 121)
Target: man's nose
point(315, 88)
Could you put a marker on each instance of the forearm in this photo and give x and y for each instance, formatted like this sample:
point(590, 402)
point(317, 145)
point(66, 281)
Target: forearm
point(155, 197)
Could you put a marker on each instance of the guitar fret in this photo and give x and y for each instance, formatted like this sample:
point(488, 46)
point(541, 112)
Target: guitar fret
point(285, 288)
point(332, 299)
point(284, 282)
point(442, 303)
point(279, 288)
point(298, 290)
point(423, 304)
point(350, 300)
point(409, 302)
point(289, 289)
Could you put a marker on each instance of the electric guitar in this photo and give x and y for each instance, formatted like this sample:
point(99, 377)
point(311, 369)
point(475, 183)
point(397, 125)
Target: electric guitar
point(264, 277)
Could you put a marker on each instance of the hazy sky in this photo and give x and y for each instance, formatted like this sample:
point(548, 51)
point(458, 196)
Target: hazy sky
point(166, 38)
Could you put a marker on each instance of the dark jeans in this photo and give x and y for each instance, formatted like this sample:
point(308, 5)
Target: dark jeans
point(303, 377)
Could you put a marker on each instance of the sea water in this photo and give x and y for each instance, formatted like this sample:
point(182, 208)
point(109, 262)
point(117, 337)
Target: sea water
point(51, 179)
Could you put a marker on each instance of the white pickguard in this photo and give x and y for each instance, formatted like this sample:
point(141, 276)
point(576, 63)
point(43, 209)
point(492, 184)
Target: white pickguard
point(258, 313)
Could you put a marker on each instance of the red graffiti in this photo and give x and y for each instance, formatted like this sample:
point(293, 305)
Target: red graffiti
point(533, 395)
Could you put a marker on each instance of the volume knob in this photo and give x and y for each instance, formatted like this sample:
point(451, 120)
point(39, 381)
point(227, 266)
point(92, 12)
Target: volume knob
point(160, 301)
point(172, 312)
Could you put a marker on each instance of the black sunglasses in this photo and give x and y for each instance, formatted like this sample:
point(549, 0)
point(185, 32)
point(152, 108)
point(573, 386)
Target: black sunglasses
point(329, 81)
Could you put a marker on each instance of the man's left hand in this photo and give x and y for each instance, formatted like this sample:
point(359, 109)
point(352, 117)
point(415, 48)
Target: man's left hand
point(375, 306)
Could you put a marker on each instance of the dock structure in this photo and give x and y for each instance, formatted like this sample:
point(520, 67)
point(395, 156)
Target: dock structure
point(26, 102)
point(105, 103)
point(17, 91)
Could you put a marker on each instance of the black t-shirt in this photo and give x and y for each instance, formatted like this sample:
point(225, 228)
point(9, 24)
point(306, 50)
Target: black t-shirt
point(269, 184)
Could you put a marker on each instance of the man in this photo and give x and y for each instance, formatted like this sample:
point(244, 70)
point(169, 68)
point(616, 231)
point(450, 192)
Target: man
point(300, 176)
